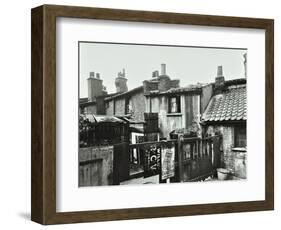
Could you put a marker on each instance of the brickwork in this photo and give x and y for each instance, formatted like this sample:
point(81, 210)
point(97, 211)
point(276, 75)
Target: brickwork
point(120, 106)
point(109, 108)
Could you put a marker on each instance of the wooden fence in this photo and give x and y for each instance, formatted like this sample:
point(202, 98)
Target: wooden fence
point(195, 159)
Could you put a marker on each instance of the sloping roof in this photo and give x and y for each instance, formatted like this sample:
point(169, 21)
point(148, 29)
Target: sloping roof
point(84, 101)
point(187, 89)
point(230, 105)
point(130, 119)
point(117, 95)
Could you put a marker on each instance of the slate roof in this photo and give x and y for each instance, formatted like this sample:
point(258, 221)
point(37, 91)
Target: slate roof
point(187, 89)
point(230, 105)
point(117, 95)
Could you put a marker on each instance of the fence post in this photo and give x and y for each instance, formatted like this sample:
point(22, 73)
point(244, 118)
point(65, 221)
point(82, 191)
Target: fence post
point(180, 157)
point(121, 163)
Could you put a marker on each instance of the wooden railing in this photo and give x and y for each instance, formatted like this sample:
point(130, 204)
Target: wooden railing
point(195, 158)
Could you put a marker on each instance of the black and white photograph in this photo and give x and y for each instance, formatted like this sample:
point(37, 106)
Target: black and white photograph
point(159, 114)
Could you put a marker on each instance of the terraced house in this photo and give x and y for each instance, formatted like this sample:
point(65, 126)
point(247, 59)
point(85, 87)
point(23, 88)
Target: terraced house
point(226, 114)
point(161, 109)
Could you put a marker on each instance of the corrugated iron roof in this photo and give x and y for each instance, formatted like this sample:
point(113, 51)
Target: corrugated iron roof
point(100, 118)
point(230, 105)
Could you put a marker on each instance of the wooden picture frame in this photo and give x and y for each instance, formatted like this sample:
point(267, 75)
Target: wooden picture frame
point(43, 189)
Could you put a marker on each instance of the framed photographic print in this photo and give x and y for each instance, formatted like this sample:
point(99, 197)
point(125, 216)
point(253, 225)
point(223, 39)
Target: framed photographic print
point(139, 114)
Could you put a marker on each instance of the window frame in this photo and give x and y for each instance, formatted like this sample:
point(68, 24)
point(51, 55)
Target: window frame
point(178, 104)
point(237, 131)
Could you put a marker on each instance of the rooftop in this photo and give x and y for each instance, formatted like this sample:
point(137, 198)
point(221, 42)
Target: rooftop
point(230, 105)
point(187, 89)
point(91, 118)
point(132, 91)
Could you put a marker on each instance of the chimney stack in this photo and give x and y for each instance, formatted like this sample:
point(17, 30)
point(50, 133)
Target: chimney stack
point(95, 86)
point(163, 69)
point(219, 72)
point(121, 82)
point(155, 74)
point(92, 74)
point(219, 82)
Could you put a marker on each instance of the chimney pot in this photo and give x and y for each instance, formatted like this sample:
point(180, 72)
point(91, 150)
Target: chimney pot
point(92, 74)
point(155, 74)
point(219, 82)
point(97, 75)
point(121, 82)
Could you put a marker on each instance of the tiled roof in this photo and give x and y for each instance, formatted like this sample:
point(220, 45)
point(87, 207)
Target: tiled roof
point(228, 106)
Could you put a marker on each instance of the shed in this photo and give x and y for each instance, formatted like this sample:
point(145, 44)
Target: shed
point(102, 130)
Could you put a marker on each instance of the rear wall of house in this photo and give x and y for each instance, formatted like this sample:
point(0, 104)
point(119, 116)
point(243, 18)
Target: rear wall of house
point(230, 159)
point(109, 108)
point(167, 123)
point(190, 110)
point(137, 102)
point(119, 106)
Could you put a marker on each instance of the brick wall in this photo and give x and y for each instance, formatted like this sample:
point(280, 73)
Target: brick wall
point(109, 108)
point(149, 86)
point(232, 159)
point(163, 83)
point(120, 106)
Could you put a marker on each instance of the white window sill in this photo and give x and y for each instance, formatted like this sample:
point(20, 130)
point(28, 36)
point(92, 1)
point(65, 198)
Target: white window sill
point(174, 114)
point(239, 149)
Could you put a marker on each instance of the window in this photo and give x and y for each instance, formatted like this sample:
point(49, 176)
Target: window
point(240, 136)
point(174, 104)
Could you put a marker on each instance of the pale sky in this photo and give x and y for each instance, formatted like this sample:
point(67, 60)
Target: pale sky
point(189, 64)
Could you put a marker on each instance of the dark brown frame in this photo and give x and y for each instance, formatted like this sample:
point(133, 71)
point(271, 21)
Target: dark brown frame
point(43, 189)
